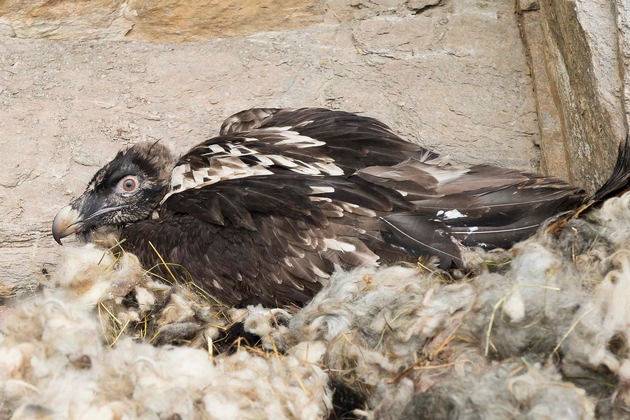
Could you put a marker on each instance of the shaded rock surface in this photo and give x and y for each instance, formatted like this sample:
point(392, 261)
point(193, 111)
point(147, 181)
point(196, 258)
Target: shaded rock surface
point(579, 54)
point(434, 72)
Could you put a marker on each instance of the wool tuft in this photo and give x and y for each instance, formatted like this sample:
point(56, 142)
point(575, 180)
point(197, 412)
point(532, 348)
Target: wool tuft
point(59, 357)
point(512, 389)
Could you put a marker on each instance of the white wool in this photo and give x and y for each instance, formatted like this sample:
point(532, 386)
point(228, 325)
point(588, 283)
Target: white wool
point(269, 324)
point(261, 321)
point(56, 360)
point(62, 364)
point(514, 306)
point(372, 323)
point(89, 274)
point(308, 351)
point(145, 299)
point(360, 293)
point(177, 311)
point(509, 341)
point(511, 389)
point(614, 215)
point(607, 317)
point(394, 308)
point(46, 340)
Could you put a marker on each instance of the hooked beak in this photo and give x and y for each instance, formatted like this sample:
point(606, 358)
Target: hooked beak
point(79, 216)
point(67, 222)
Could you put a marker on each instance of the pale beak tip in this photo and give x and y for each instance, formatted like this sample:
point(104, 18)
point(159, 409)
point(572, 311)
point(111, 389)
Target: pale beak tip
point(66, 223)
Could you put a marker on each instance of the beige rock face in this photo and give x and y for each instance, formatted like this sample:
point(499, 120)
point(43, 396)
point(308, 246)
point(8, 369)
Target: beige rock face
point(436, 74)
point(163, 20)
point(66, 19)
point(174, 20)
point(578, 41)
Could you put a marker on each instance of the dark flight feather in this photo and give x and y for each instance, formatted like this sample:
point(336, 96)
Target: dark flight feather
point(618, 181)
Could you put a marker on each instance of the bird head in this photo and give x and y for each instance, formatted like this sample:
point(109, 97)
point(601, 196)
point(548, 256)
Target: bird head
point(126, 190)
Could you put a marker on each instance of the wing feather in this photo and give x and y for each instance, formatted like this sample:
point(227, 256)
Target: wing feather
point(264, 212)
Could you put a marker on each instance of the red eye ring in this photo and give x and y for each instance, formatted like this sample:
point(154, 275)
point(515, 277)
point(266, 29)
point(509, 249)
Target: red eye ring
point(128, 184)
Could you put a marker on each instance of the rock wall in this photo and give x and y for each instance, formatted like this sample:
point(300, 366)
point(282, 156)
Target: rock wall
point(432, 70)
point(163, 20)
point(579, 56)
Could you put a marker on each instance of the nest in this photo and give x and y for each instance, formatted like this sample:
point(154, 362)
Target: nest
point(544, 335)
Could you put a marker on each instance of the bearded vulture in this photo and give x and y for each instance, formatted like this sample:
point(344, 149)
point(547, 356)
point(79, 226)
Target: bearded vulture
point(264, 212)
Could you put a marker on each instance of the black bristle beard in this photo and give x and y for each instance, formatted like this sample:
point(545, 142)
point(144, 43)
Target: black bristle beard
point(103, 236)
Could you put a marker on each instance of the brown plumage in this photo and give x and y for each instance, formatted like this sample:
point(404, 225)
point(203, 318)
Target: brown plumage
point(264, 212)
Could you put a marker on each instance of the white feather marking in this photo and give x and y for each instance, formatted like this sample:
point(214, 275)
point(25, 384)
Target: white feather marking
point(264, 160)
point(403, 193)
point(282, 161)
point(305, 168)
point(319, 273)
point(216, 148)
point(356, 209)
point(309, 170)
point(199, 176)
point(453, 214)
point(217, 284)
point(322, 190)
point(250, 171)
point(450, 214)
point(238, 150)
point(177, 176)
point(303, 124)
point(338, 245)
point(224, 169)
point(296, 139)
point(230, 162)
point(329, 168)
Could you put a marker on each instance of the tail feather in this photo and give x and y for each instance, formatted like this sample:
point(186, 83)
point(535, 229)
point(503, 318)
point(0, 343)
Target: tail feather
point(619, 180)
point(617, 184)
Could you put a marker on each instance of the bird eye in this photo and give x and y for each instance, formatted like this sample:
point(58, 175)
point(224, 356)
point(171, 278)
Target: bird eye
point(128, 184)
